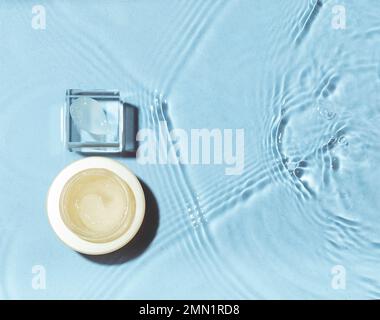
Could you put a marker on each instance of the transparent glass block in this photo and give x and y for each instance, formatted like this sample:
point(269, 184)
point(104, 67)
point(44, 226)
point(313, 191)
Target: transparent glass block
point(94, 121)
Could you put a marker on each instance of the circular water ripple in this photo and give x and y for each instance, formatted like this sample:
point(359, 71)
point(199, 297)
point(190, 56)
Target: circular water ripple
point(319, 147)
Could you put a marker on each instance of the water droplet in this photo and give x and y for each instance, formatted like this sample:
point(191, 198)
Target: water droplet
point(298, 173)
point(343, 141)
point(335, 163)
point(292, 166)
point(326, 109)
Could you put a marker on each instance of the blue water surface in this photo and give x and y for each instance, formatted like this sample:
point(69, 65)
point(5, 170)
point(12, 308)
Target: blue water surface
point(303, 218)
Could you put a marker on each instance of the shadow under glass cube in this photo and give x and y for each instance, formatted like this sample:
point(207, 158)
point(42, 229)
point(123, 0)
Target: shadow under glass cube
point(94, 121)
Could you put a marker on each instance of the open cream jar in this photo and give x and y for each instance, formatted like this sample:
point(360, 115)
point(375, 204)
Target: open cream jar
point(96, 205)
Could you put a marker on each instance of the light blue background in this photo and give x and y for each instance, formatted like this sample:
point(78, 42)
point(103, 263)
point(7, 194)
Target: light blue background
point(308, 198)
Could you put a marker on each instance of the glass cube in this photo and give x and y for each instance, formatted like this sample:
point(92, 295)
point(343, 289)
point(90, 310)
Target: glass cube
point(94, 121)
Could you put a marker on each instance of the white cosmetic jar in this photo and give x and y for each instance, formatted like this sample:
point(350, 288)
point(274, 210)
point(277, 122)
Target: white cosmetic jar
point(96, 205)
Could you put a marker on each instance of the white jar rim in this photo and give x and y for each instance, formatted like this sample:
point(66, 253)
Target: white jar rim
point(70, 238)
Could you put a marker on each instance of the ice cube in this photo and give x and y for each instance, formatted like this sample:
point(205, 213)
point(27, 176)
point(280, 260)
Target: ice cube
point(89, 115)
